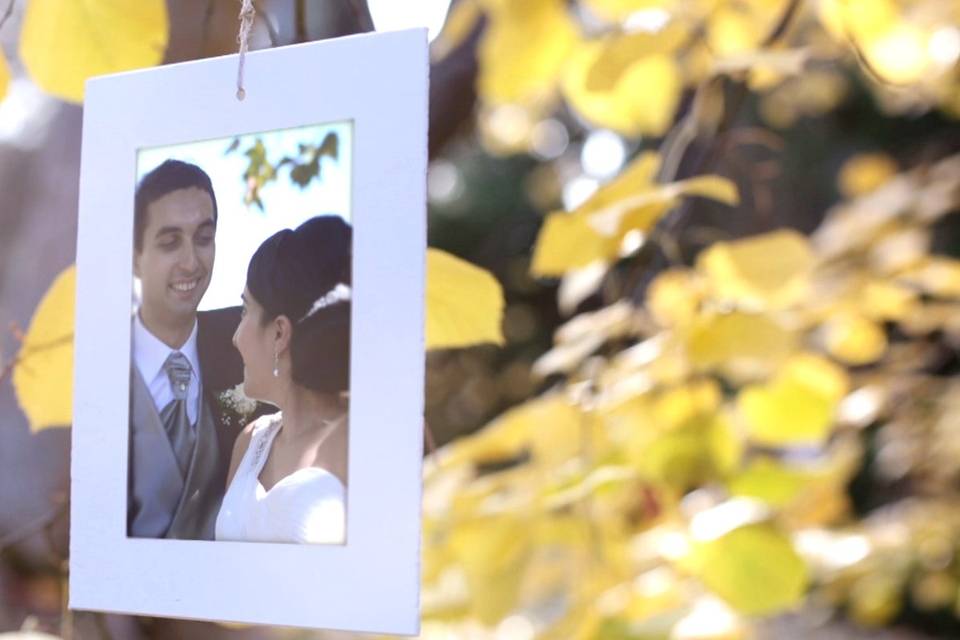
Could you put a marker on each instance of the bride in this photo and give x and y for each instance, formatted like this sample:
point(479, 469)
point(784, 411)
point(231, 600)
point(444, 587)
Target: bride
point(288, 473)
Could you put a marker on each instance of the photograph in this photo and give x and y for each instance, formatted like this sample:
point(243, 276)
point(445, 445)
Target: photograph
point(240, 353)
point(249, 350)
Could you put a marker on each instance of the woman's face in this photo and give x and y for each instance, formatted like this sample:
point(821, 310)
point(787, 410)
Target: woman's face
point(257, 344)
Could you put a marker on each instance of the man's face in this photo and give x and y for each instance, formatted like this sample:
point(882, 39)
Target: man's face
point(176, 258)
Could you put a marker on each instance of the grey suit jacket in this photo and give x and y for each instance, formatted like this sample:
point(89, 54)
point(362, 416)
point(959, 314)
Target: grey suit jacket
point(161, 502)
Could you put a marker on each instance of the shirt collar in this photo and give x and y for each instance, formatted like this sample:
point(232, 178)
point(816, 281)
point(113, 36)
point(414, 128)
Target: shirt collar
point(149, 352)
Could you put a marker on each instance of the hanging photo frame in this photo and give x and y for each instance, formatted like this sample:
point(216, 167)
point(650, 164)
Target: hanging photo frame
point(273, 249)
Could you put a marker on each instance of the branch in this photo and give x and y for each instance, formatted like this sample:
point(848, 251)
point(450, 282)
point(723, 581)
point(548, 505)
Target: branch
point(271, 31)
point(361, 12)
point(33, 526)
point(300, 20)
point(8, 368)
point(205, 27)
point(651, 261)
point(453, 95)
point(7, 13)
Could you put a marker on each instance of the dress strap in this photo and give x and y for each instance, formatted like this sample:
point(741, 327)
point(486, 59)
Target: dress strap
point(260, 443)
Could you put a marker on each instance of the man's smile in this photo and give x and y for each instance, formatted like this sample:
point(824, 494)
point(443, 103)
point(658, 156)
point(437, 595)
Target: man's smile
point(186, 286)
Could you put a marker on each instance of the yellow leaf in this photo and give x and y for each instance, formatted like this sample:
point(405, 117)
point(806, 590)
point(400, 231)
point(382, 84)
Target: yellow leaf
point(43, 375)
point(679, 458)
point(732, 31)
point(567, 242)
point(818, 373)
point(768, 480)
point(685, 456)
point(611, 82)
point(876, 599)
point(854, 339)
point(64, 43)
point(865, 19)
point(4, 76)
point(894, 48)
point(898, 55)
point(523, 49)
point(883, 300)
point(707, 186)
point(936, 275)
point(798, 406)
point(725, 444)
point(620, 9)
point(865, 172)
point(599, 229)
point(549, 427)
point(740, 345)
point(635, 177)
point(493, 552)
point(641, 210)
point(464, 303)
point(754, 568)
point(676, 407)
point(766, 271)
point(674, 297)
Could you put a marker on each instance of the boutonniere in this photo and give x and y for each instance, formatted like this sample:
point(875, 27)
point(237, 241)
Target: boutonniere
point(235, 406)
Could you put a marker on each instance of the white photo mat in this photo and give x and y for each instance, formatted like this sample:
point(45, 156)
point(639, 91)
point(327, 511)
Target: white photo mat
point(379, 82)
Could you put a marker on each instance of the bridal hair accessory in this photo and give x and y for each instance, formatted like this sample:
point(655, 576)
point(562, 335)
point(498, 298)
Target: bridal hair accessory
point(340, 293)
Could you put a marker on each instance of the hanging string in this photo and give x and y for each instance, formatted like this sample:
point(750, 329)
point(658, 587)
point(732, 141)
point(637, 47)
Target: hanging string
point(247, 14)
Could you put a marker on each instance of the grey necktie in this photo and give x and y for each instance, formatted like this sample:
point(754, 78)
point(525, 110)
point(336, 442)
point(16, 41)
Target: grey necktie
point(174, 415)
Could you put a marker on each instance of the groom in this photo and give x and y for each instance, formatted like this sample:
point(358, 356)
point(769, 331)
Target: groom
point(181, 361)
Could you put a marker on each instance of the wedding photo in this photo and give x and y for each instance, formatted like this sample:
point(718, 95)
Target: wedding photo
point(249, 338)
point(240, 338)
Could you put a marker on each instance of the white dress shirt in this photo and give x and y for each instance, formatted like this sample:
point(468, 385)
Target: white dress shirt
point(149, 354)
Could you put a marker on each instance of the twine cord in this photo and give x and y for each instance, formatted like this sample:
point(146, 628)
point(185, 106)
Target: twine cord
point(247, 14)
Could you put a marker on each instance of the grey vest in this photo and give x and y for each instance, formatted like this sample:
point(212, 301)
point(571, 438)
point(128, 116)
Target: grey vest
point(161, 503)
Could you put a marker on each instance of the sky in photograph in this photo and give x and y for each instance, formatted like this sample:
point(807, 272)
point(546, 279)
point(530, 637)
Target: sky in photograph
point(241, 228)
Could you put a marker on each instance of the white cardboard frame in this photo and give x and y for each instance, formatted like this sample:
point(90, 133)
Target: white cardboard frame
point(379, 81)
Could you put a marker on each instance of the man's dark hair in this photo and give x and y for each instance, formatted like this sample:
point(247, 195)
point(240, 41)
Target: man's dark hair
point(169, 176)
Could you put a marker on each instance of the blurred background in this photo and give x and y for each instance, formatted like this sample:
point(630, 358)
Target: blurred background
point(726, 237)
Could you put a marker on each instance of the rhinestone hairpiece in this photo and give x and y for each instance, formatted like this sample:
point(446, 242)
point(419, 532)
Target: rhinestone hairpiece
point(340, 293)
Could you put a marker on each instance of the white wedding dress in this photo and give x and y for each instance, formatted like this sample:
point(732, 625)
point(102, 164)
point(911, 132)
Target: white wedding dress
point(306, 506)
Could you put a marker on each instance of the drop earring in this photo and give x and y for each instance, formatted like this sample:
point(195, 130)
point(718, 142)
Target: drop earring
point(276, 365)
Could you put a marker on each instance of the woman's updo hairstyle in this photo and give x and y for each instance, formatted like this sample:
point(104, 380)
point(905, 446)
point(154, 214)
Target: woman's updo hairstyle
point(305, 275)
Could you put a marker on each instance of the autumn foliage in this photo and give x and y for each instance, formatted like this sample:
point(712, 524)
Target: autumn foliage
point(685, 468)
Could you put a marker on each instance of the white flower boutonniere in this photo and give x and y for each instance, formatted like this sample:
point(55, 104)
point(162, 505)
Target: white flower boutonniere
point(236, 406)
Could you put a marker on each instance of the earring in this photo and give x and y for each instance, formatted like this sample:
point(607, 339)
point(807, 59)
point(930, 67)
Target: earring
point(276, 364)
